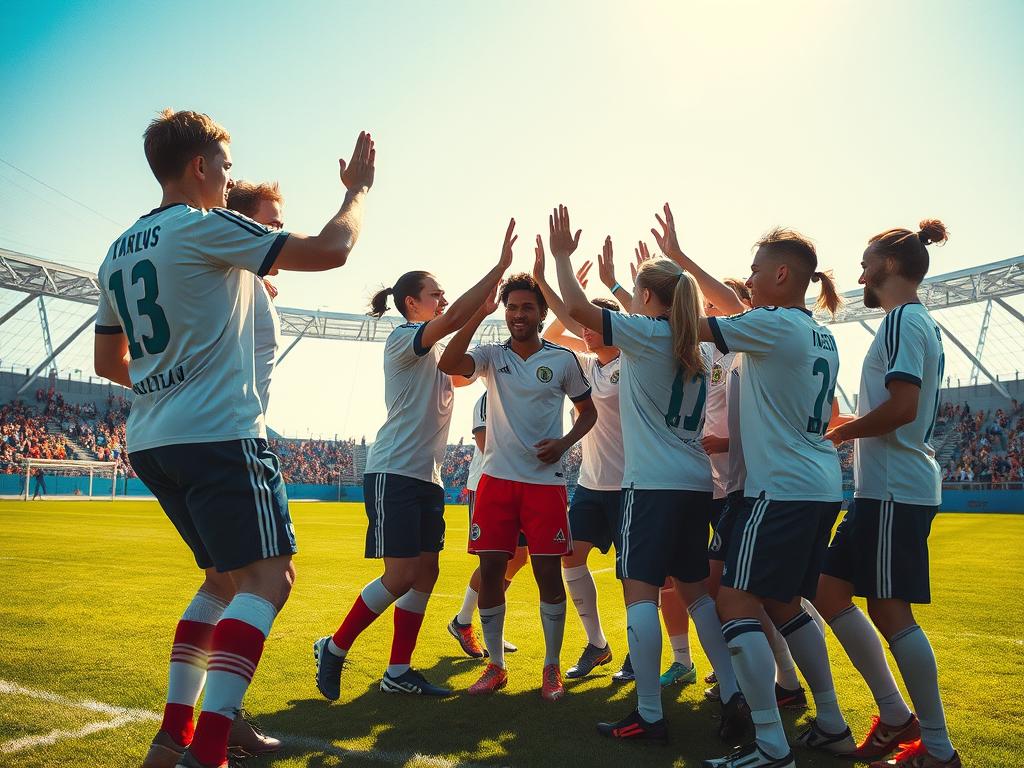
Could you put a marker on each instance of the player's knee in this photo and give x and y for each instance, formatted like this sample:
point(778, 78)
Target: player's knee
point(890, 616)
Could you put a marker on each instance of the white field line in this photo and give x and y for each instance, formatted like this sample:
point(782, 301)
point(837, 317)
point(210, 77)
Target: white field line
point(121, 716)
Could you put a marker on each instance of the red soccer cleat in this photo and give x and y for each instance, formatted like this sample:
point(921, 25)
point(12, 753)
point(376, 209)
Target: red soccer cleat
point(552, 688)
point(915, 755)
point(493, 679)
point(882, 739)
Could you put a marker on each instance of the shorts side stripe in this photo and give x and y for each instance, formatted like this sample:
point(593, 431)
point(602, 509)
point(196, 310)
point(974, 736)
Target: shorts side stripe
point(381, 484)
point(260, 471)
point(627, 516)
point(746, 555)
point(888, 548)
point(257, 501)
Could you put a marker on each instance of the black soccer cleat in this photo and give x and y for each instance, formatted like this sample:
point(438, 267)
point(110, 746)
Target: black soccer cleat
point(633, 727)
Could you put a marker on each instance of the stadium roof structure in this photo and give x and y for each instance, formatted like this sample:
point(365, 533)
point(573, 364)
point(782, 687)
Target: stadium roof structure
point(986, 285)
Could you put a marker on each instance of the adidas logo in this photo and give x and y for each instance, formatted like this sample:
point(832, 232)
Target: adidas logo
point(505, 369)
point(560, 536)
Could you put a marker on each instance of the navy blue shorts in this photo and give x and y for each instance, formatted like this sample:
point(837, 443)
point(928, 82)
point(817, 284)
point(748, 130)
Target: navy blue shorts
point(776, 548)
point(881, 548)
point(472, 503)
point(227, 499)
point(406, 515)
point(723, 519)
point(663, 533)
point(594, 516)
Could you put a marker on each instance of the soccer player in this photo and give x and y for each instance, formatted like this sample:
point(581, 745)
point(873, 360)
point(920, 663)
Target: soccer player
point(522, 485)
point(404, 495)
point(174, 323)
point(880, 550)
point(461, 625)
point(792, 493)
point(594, 512)
point(667, 489)
point(263, 203)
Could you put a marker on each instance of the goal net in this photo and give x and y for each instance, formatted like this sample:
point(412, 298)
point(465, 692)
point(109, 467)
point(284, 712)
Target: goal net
point(57, 477)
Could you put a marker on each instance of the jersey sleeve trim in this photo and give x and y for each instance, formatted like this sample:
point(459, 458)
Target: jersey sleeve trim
point(109, 330)
point(481, 428)
point(892, 334)
point(272, 254)
point(717, 333)
point(901, 376)
point(606, 326)
point(585, 396)
point(417, 342)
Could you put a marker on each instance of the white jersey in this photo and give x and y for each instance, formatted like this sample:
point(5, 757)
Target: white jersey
point(178, 283)
point(736, 476)
point(419, 398)
point(717, 422)
point(479, 425)
point(900, 466)
point(603, 454)
point(662, 414)
point(524, 406)
point(786, 391)
point(267, 339)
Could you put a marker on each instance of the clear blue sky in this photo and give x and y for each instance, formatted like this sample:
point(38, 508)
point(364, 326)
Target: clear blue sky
point(838, 118)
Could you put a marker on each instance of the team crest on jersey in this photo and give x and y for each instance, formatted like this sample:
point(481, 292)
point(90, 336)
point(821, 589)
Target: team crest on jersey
point(544, 374)
point(717, 373)
point(560, 536)
point(474, 532)
point(614, 377)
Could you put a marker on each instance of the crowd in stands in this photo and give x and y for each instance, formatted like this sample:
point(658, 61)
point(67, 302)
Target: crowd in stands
point(989, 444)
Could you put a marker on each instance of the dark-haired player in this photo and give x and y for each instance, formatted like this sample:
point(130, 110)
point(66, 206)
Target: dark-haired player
point(880, 550)
point(522, 485)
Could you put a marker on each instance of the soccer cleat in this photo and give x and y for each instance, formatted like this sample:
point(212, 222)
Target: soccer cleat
point(328, 669)
point(509, 647)
point(164, 752)
point(552, 687)
point(813, 737)
point(633, 727)
point(467, 638)
point(591, 657)
point(187, 760)
point(736, 725)
point(247, 739)
point(625, 673)
point(713, 693)
point(915, 755)
point(790, 699)
point(711, 678)
point(677, 674)
point(412, 682)
point(493, 679)
point(750, 756)
point(883, 739)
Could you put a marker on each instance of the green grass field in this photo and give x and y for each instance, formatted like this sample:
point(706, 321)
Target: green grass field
point(92, 591)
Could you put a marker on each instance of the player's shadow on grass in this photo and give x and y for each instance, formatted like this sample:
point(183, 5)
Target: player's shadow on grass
point(517, 729)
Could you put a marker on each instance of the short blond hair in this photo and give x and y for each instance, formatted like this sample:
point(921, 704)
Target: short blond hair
point(246, 196)
point(174, 138)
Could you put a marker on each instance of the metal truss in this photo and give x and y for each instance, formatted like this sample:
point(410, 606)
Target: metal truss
point(38, 277)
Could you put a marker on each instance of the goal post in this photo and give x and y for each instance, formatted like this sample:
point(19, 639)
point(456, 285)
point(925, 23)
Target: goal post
point(77, 477)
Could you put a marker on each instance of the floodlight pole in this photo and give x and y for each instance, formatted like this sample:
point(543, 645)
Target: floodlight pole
point(967, 353)
point(982, 335)
point(64, 345)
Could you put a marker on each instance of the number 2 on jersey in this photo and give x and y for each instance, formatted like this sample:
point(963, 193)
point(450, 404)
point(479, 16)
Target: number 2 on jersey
point(157, 343)
point(692, 422)
point(817, 423)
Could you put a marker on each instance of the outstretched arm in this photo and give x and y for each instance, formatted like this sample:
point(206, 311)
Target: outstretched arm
point(899, 409)
point(454, 360)
point(717, 292)
point(464, 307)
point(562, 328)
point(330, 249)
point(606, 270)
point(563, 244)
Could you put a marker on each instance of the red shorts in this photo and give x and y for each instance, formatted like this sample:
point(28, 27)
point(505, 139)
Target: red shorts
point(503, 508)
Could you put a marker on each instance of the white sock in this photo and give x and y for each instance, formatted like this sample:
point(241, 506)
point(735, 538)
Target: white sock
point(583, 591)
point(468, 607)
point(709, 632)
point(916, 660)
point(811, 611)
point(377, 599)
point(552, 620)
point(492, 626)
point(752, 660)
point(643, 629)
point(860, 641)
point(807, 645)
point(681, 649)
point(785, 667)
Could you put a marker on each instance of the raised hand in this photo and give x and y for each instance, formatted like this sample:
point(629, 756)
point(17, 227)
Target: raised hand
point(642, 255)
point(666, 239)
point(358, 172)
point(505, 260)
point(563, 242)
point(491, 302)
point(606, 264)
point(538, 260)
point(583, 271)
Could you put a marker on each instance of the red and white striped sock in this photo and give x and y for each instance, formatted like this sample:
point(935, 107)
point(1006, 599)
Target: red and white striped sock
point(235, 651)
point(409, 610)
point(187, 673)
point(371, 603)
